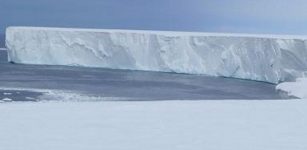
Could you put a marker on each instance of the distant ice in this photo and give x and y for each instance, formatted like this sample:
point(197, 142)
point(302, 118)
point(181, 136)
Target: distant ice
point(14, 95)
point(6, 99)
point(7, 93)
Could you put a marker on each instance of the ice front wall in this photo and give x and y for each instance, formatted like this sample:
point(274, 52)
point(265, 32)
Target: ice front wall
point(256, 57)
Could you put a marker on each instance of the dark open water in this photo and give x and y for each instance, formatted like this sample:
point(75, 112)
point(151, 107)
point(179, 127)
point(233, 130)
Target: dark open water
point(2, 40)
point(135, 85)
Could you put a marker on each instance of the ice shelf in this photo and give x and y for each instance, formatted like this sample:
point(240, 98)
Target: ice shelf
point(268, 58)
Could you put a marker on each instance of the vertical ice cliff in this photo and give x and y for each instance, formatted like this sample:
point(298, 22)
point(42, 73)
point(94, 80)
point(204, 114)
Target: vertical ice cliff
point(256, 57)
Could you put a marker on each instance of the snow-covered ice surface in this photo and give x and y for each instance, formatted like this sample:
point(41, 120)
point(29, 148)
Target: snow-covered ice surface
point(124, 84)
point(297, 88)
point(152, 125)
point(257, 57)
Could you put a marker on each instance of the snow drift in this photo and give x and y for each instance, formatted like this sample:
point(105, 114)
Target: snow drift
point(256, 57)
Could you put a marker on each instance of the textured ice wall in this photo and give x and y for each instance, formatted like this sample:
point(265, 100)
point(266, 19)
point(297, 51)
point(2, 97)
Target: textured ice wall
point(255, 57)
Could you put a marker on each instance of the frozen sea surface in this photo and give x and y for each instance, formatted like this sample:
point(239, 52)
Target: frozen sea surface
point(132, 85)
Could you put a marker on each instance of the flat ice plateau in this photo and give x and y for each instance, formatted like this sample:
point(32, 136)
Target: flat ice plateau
point(257, 57)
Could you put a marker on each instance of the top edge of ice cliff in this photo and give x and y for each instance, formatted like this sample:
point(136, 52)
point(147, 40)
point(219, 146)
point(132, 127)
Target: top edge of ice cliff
point(170, 33)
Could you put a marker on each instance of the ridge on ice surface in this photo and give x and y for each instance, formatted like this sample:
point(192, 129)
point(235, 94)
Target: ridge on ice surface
point(269, 58)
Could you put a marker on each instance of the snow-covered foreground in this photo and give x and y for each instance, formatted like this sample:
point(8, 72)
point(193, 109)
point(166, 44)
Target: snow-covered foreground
point(266, 58)
point(197, 125)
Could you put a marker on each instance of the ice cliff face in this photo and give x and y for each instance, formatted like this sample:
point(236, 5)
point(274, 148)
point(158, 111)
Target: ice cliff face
point(264, 58)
